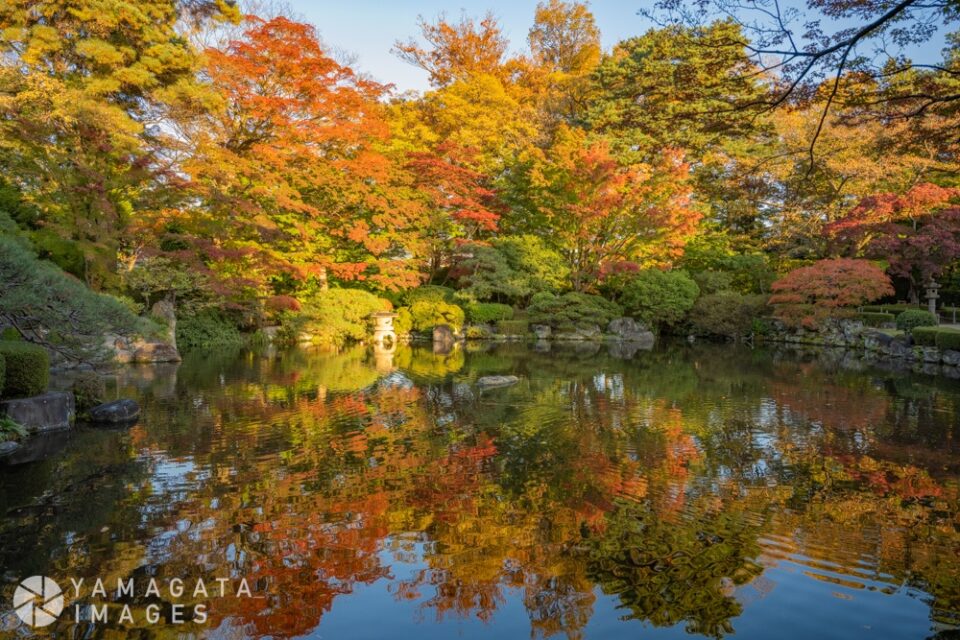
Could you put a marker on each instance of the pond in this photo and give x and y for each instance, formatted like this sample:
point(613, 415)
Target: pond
point(690, 491)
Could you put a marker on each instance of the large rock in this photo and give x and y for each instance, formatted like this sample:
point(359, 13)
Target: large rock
point(7, 447)
point(950, 357)
point(443, 339)
point(156, 352)
point(488, 382)
point(629, 330)
point(116, 412)
point(542, 331)
point(47, 412)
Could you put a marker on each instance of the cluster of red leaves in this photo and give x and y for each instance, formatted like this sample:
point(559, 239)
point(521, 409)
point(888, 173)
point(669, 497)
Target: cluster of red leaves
point(828, 288)
point(917, 233)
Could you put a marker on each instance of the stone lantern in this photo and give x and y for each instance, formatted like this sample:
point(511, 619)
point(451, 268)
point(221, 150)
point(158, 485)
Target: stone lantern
point(932, 287)
point(383, 332)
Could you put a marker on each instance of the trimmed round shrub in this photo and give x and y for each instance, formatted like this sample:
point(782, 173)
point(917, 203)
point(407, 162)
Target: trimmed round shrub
point(909, 320)
point(925, 336)
point(876, 318)
point(27, 369)
point(488, 312)
point(659, 298)
point(727, 314)
point(3, 372)
point(428, 314)
point(207, 330)
point(572, 310)
point(429, 293)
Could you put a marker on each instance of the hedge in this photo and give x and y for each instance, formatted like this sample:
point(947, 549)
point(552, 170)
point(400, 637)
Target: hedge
point(913, 318)
point(513, 327)
point(948, 339)
point(925, 336)
point(876, 318)
point(895, 309)
point(27, 369)
point(486, 312)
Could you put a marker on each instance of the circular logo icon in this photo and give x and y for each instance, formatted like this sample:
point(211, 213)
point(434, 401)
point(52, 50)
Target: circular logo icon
point(38, 601)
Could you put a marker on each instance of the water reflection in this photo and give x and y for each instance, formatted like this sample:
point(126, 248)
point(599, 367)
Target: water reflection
point(690, 490)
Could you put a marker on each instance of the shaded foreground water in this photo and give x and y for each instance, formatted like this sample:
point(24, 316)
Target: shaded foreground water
point(704, 490)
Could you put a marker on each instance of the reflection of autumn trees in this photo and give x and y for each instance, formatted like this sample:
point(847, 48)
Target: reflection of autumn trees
point(669, 481)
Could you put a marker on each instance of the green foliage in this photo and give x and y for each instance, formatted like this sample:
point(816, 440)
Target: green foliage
point(941, 337)
point(572, 310)
point(908, 320)
point(3, 371)
point(895, 309)
point(336, 316)
point(153, 279)
point(537, 266)
point(426, 315)
point(727, 314)
point(430, 293)
point(477, 333)
point(876, 318)
point(89, 391)
point(713, 281)
point(56, 310)
point(27, 369)
point(403, 323)
point(207, 330)
point(488, 276)
point(925, 336)
point(488, 312)
point(715, 253)
point(10, 334)
point(513, 327)
point(948, 339)
point(11, 430)
point(658, 298)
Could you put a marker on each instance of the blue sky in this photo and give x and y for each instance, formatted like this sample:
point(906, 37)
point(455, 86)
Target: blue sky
point(368, 28)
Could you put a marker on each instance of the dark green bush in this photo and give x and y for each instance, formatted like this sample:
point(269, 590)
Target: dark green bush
point(572, 310)
point(925, 336)
point(948, 339)
point(207, 330)
point(513, 327)
point(56, 310)
point(713, 281)
point(487, 312)
point(658, 298)
point(3, 372)
point(876, 318)
point(727, 314)
point(27, 369)
point(913, 318)
point(89, 391)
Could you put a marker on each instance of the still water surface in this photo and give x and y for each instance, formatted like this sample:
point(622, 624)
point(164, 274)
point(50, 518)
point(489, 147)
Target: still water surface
point(692, 491)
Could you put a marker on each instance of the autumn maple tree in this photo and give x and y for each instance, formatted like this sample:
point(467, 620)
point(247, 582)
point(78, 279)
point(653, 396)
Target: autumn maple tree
point(917, 233)
point(598, 210)
point(826, 289)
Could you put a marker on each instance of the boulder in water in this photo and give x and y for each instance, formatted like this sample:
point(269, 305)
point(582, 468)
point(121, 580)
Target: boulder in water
point(117, 412)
